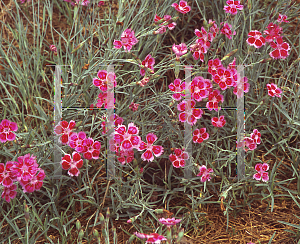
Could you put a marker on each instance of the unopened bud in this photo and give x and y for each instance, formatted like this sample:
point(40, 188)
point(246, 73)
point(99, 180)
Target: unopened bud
point(101, 217)
point(81, 234)
point(95, 233)
point(180, 235)
point(107, 213)
point(26, 210)
point(159, 211)
point(229, 54)
point(78, 225)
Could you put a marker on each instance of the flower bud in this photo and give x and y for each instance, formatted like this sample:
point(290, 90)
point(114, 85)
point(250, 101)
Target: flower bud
point(107, 213)
point(95, 233)
point(78, 225)
point(180, 235)
point(159, 211)
point(229, 54)
point(26, 210)
point(81, 234)
point(101, 217)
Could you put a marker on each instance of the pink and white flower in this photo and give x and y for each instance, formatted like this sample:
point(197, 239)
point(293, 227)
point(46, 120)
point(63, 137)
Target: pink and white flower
point(72, 164)
point(205, 173)
point(261, 174)
point(6, 130)
point(150, 148)
point(182, 7)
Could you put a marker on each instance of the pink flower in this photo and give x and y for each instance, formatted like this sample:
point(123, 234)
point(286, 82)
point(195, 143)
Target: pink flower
point(152, 238)
point(103, 100)
point(25, 168)
point(6, 130)
point(23, 1)
point(134, 106)
point(214, 30)
point(205, 173)
point(281, 49)
point(225, 77)
point(218, 122)
point(182, 7)
point(198, 49)
point(178, 159)
point(200, 88)
point(272, 32)
point(177, 87)
point(241, 87)
point(233, 6)
point(149, 63)
point(82, 2)
point(213, 65)
point(256, 136)
point(250, 143)
point(168, 221)
point(7, 177)
point(125, 156)
point(101, 3)
point(256, 39)
point(65, 130)
point(189, 116)
point(282, 18)
point(72, 164)
point(128, 139)
point(91, 149)
point(9, 192)
point(213, 100)
point(227, 30)
point(76, 141)
point(162, 29)
point(143, 82)
point(200, 135)
point(261, 174)
point(273, 90)
point(103, 79)
point(150, 148)
point(179, 50)
point(35, 183)
point(53, 48)
point(127, 40)
point(117, 121)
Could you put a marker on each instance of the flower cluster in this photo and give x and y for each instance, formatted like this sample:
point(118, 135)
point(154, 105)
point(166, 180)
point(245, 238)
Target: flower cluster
point(273, 37)
point(127, 40)
point(78, 141)
point(202, 44)
point(163, 29)
point(124, 140)
point(251, 142)
point(25, 171)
